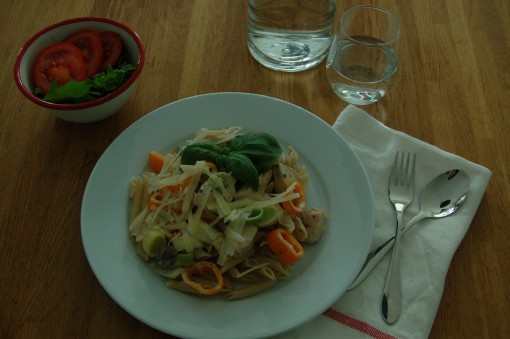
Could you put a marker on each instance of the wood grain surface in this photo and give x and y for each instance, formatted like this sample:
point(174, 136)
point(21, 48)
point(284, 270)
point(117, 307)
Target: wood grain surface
point(453, 91)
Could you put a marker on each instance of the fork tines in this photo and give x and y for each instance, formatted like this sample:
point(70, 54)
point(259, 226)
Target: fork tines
point(400, 175)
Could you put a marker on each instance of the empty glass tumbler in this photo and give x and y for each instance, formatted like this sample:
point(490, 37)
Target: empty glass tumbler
point(363, 59)
point(290, 35)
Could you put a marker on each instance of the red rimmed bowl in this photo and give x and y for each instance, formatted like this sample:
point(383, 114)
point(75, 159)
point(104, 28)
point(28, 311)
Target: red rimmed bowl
point(90, 111)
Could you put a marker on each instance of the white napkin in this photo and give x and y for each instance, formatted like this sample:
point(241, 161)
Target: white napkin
point(427, 248)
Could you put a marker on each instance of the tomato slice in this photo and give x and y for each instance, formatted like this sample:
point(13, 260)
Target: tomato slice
point(61, 62)
point(89, 43)
point(112, 46)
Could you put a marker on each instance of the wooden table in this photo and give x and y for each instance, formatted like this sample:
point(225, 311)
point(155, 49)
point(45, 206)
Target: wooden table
point(453, 91)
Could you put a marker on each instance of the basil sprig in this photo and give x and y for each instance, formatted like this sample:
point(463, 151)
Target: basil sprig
point(245, 157)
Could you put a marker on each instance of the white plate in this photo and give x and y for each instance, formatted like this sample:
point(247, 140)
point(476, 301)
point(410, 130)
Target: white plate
point(338, 184)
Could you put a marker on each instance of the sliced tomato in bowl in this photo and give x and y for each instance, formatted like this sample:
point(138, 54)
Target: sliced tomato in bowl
point(61, 62)
point(112, 47)
point(89, 43)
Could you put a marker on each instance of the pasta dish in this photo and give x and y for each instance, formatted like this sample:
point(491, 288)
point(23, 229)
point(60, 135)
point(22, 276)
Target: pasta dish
point(226, 214)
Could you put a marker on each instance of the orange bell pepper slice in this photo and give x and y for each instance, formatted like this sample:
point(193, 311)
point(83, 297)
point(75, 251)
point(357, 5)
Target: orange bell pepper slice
point(285, 246)
point(212, 166)
point(203, 268)
point(156, 161)
point(156, 197)
point(177, 188)
point(297, 205)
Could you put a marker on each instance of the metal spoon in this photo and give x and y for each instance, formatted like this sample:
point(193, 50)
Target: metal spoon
point(440, 198)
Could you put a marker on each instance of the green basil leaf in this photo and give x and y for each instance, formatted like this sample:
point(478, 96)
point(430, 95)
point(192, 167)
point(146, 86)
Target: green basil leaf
point(245, 157)
point(200, 151)
point(112, 79)
point(262, 148)
point(221, 162)
point(242, 169)
point(260, 155)
point(251, 138)
point(72, 91)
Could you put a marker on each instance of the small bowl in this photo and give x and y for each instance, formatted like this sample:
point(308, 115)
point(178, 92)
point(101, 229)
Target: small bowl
point(88, 111)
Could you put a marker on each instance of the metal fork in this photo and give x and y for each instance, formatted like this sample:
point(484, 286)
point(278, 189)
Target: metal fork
point(401, 190)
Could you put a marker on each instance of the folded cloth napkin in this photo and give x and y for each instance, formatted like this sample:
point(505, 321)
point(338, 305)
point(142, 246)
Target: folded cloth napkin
point(427, 248)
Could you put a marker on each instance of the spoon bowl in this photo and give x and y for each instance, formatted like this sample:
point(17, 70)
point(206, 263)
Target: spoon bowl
point(442, 197)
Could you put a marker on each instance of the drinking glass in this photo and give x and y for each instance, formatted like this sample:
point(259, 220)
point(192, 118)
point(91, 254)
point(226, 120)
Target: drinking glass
point(290, 35)
point(363, 59)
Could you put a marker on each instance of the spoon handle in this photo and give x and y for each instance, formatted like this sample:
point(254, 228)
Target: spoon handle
point(378, 253)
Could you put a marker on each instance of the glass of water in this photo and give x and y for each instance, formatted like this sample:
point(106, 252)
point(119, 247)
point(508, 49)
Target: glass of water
point(290, 35)
point(363, 59)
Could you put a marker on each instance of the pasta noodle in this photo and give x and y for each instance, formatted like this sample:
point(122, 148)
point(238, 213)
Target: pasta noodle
point(248, 291)
point(204, 228)
point(280, 270)
point(136, 193)
point(300, 231)
point(232, 262)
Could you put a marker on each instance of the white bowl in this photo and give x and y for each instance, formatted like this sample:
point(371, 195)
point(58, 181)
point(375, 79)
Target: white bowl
point(88, 111)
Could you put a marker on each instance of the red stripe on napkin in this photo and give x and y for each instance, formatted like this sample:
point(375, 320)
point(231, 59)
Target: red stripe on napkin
point(356, 324)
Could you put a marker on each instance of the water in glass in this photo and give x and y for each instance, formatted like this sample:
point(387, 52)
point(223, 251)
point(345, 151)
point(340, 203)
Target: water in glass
point(353, 78)
point(363, 59)
point(290, 35)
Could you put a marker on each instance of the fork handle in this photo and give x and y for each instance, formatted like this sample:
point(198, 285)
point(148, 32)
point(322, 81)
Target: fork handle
point(376, 255)
point(391, 304)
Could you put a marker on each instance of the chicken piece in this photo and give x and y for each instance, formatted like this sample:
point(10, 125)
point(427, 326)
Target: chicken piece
point(314, 221)
point(284, 176)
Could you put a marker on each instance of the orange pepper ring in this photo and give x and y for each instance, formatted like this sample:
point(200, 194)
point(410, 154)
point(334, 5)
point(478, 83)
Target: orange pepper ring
point(285, 245)
point(297, 205)
point(202, 268)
